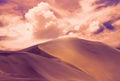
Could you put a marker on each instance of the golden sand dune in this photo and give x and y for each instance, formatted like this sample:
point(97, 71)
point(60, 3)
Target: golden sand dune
point(33, 64)
point(96, 59)
point(64, 59)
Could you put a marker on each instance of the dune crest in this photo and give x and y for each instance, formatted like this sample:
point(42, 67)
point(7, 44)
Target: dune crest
point(36, 65)
point(96, 59)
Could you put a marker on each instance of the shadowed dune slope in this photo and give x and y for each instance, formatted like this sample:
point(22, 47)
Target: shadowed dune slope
point(96, 59)
point(26, 66)
point(35, 49)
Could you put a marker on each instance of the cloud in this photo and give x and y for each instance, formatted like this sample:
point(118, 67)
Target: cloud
point(69, 5)
point(44, 21)
point(49, 20)
point(108, 2)
point(15, 31)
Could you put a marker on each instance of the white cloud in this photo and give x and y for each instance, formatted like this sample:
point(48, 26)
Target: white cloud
point(41, 23)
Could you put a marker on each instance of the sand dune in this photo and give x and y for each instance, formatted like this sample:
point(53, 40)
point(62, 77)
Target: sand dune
point(27, 66)
point(64, 59)
point(96, 59)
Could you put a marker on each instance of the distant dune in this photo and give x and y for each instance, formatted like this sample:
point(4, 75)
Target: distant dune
point(96, 59)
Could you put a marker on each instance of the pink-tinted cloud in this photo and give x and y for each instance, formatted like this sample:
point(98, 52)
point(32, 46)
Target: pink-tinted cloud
point(38, 21)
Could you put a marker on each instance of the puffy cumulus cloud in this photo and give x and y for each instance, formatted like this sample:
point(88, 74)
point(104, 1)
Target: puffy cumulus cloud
point(52, 19)
point(47, 25)
point(84, 20)
point(44, 21)
point(40, 24)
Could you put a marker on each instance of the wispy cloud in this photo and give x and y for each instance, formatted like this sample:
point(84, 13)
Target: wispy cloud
point(50, 19)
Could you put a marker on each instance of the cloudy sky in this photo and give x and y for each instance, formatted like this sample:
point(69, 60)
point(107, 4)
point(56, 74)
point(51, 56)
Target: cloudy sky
point(27, 22)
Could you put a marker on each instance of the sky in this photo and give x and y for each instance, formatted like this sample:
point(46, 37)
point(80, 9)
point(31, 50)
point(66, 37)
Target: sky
point(24, 23)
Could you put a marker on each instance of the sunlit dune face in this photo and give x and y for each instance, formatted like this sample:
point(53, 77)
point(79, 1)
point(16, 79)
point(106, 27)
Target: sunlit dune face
point(43, 20)
point(96, 59)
